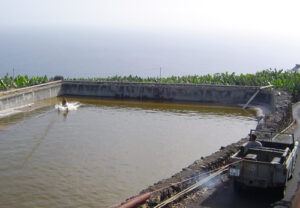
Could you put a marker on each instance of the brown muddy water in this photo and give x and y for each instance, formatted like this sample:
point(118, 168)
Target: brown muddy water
point(107, 150)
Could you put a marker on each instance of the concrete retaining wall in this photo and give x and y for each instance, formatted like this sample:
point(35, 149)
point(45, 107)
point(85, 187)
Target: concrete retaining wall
point(215, 94)
point(224, 95)
point(27, 95)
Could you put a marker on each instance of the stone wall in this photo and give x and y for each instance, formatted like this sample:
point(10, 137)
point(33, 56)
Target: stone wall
point(281, 116)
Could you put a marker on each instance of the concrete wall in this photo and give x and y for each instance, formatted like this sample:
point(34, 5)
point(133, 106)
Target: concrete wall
point(224, 95)
point(27, 95)
point(216, 94)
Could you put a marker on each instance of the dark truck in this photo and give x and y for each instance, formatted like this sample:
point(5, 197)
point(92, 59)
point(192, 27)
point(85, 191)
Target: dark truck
point(269, 166)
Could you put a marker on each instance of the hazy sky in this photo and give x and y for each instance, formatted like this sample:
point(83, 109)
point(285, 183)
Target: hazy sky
point(255, 17)
point(129, 36)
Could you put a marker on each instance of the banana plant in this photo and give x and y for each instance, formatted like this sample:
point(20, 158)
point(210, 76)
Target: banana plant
point(2, 85)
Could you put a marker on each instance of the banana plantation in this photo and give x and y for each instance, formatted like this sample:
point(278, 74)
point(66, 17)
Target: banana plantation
point(286, 80)
point(9, 82)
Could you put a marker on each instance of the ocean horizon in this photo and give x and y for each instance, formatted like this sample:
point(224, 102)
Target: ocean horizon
point(84, 52)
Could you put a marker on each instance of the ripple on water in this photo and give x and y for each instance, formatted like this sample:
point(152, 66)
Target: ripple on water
point(107, 151)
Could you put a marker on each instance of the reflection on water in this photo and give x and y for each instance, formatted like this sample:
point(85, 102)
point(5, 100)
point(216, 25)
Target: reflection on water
point(107, 150)
point(2, 127)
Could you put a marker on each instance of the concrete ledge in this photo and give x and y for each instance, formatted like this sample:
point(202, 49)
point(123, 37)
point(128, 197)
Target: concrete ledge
point(217, 94)
point(24, 96)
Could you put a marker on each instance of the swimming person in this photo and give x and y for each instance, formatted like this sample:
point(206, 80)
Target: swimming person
point(64, 102)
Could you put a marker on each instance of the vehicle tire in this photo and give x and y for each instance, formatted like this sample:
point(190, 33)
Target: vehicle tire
point(280, 192)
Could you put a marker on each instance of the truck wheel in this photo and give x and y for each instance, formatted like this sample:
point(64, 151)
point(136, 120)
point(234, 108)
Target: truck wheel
point(280, 192)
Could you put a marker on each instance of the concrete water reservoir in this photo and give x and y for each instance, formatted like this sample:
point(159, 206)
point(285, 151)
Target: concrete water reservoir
point(108, 150)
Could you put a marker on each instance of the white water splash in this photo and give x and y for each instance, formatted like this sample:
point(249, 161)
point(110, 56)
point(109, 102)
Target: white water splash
point(68, 107)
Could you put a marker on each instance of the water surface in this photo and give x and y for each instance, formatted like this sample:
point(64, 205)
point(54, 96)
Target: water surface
point(82, 52)
point(107, 150)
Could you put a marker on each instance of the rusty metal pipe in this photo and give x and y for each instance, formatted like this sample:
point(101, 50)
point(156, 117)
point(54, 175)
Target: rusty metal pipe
point(135, 201)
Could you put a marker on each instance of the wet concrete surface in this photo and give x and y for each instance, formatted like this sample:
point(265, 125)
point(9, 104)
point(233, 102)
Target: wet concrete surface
point(224, 195)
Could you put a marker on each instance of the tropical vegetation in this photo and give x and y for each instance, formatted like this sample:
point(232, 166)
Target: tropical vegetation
point(10, 82)
point(286, 80)
point(281, 79)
